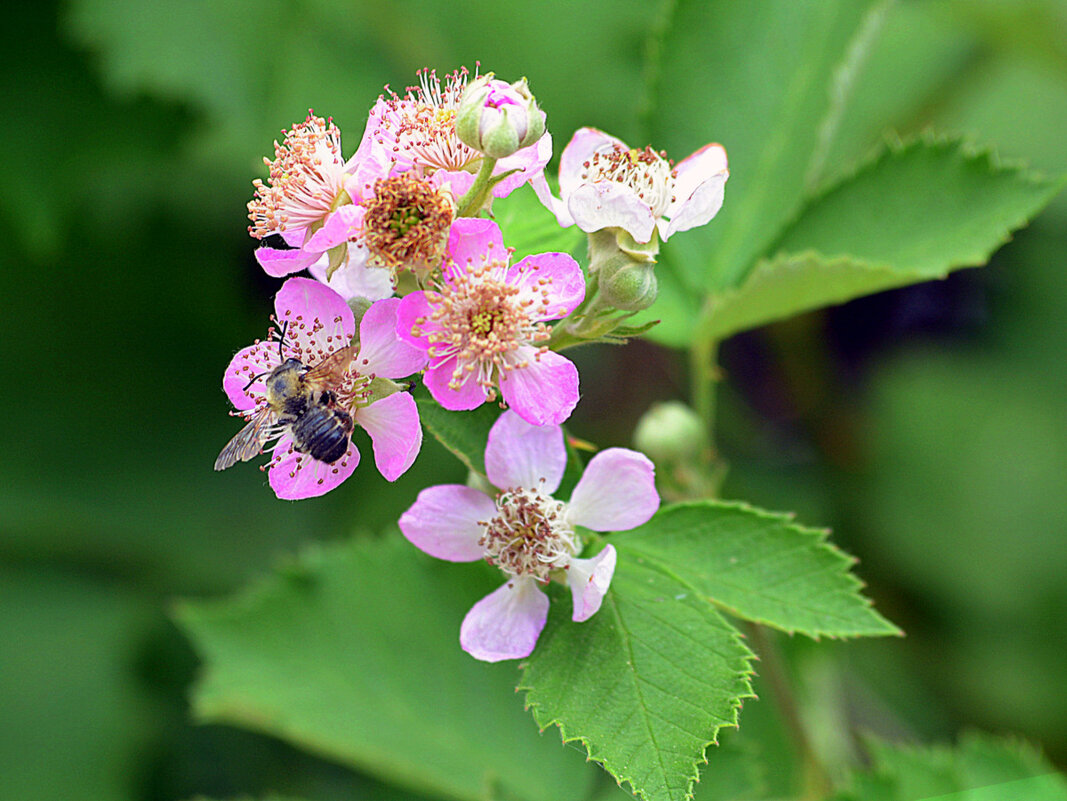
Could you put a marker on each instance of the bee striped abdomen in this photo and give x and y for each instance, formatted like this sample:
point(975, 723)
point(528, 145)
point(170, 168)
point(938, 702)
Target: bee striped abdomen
point(323, 433)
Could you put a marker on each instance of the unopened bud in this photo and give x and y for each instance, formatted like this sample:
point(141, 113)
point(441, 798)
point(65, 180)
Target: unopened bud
point(498, 118)
point(671, 433)
point(628, 285)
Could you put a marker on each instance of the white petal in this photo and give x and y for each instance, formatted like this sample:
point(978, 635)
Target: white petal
point(506, 623)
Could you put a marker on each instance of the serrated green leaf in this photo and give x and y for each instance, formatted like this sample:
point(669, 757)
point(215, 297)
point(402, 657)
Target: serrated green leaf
point(767, 87)
point(912, 214)
point(645, 684)
point(760, 566)
point(980, 768)
point(464, 434)
point(356, 657)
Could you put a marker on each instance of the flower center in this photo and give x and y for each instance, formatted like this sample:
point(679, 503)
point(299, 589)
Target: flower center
point(425, 122)
point(529, 535)
point(480, 319)
point(306, 177)
point(406, 223)
point(648, 173)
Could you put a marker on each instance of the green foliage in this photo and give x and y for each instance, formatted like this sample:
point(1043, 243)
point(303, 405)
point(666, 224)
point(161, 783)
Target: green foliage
point(760, 566)
point(531, 228)
point(354, 654)
point(464, 434)
point(645, 684)
point(980, 768)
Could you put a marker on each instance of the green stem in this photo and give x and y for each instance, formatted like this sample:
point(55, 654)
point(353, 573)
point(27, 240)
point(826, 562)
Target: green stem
point(474, 199)
point(703, 376)
point(816, 780)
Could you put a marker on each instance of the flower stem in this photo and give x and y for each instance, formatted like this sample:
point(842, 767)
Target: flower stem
point(474, 199)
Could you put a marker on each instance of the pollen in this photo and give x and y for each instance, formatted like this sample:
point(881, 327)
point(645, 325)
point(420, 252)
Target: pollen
point(305, 179)
point(406, 223)
point(648, 173)
point(481, 319)
point(529, 535)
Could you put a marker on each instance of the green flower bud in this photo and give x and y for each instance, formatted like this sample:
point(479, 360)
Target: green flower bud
point(497, 118)
point(671, 433)
point(626, 284)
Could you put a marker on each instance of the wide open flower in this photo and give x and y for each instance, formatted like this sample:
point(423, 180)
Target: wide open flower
point(482, 327)
point(311, 195)
point(418, 131)
point(528, 534)
point(315, 327)
point(605, 184)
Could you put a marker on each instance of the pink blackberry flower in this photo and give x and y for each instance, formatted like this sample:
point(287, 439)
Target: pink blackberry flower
point(310, 196)
point(418, 131)
point(605, 184)
point(307, 384)
point(528, 534)
point(483, 327)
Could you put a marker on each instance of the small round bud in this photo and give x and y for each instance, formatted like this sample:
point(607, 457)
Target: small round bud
point(628, 285)
point(671, 433)
point(498, 118)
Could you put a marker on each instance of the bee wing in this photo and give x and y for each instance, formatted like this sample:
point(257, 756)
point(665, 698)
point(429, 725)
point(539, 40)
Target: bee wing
point(248, 443)
point(330, 372)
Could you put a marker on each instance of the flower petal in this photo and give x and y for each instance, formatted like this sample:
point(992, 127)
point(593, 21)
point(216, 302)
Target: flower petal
point(522, 455)
point(295, 475)
point(318, 319)
point(616, 492)
point(550, 201)
point(339, 226)
point(698, 190)
point(554, 276)
point(443, 522)
point(354, 279)
point(584, 143)
point(381, 351)
point(475, 240)
point(529, 162)
point(470, 394)
point(542, 388)
point(279, 263)
point(412, 309)
point(606, 204)
point(393, 425)
point(589, 580)
point(506, 623)
point(247, 363)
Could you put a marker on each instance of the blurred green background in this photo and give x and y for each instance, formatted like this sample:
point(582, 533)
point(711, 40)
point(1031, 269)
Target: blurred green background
point(927, 426)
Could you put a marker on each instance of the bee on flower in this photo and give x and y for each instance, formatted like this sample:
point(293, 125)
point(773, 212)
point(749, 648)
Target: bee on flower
point(482, 326)
point(308, 384)
point(530, 535)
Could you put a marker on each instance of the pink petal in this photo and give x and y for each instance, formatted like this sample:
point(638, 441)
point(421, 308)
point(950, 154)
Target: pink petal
point(550, 201)
point(506, 623)
point(557, 272)
point(530, 162)
point(318, 319)
point(294, 475)
point(584, 143)
point(294, 237)
point(698, 190)
point(458, 181)
point(393, 425)
point(443, 522)
point(542, 388)
point(616, 492)
point(470, 394)
point(255, 360)
point(381, 351)
point(412, 308)
point(521, 455)
point(475, 240)
point(354, 279)
point(340, 225)
point(589, 580)
point(279, 263)
point(606, 204)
